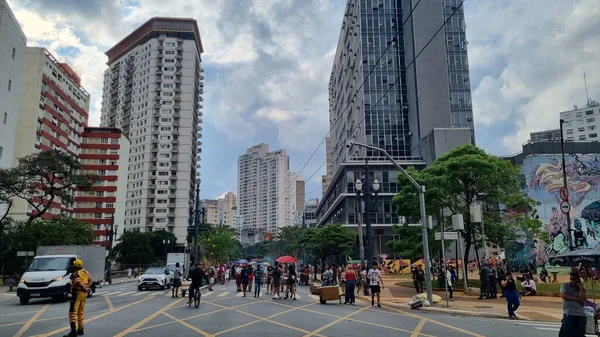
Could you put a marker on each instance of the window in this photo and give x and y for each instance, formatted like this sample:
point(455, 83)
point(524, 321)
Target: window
point(104, 141)
point(110, 206)
point(589, 112)
point(581, 129)
point(579, 114)
point(5, 117)
point(592, 127)
point(9, 85)
point(582, 137)
point(98, 215)
point(98, 205)
point(14, 52)
point(569, 131)
point(590, 120)
point(114, 141)
point(593, 135)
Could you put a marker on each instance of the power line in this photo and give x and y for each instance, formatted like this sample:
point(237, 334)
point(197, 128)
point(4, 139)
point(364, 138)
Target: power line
point(394, 84)
point(389, 43)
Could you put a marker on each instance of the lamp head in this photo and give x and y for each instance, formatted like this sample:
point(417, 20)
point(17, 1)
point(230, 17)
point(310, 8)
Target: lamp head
point(376, 185)
point(358, 185)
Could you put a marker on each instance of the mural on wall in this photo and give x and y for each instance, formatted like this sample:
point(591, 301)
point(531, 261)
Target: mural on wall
point(543, 179)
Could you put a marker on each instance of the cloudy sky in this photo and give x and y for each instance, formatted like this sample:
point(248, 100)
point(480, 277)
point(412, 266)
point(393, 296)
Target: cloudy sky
point(268, 62)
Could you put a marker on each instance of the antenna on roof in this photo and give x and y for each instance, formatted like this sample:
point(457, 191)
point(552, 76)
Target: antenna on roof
point(587, 95)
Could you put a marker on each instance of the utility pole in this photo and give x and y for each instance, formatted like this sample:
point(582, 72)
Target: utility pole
point(197, 223)
point(564, 172)
point(367, 194)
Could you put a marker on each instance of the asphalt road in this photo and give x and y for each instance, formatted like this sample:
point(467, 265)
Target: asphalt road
point(121, 310)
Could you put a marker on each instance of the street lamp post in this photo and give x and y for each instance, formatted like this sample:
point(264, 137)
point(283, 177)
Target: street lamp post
point(365, 188)
point(421, 190)
point(165, 243)
point(110, 233)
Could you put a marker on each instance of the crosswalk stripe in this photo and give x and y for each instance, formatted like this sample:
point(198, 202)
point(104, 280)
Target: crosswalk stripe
point(208, 293)
point(240, 294)
point(548, 329)
point(113, 293)
point(126, 293)
point(315, 297)
point(223, 294)
point(101, 293)
point(139, 293)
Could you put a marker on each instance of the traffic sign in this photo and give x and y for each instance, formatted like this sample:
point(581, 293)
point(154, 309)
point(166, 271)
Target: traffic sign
point(447, 236)
point(565, 207)
point(564, 193)
point(23, 253)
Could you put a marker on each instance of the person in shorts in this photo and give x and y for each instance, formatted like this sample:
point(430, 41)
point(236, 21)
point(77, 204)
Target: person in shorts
point(177, 273)
point(375, 284)
point(277, 271)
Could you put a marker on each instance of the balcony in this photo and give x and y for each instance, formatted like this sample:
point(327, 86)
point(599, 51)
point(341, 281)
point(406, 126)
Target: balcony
point(155, 133)
point(174, 150)
point(177, 106)
point(178, 73)
point(158, 79)
point(177, 98)
point(159, 71)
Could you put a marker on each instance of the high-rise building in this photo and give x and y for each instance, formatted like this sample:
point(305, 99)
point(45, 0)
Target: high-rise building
point(211, 211)
point(52, 115)
point(152, 91)
point(310, 216)
point(266, 195)
point(415, 109)
point(220, 212)
point(326, 179)
point(582, 124)
point(104, 152)
point(12, 60)
point(300, 195)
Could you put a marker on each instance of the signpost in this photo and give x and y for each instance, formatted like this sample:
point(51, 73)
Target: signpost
point(565, 207)
point(447, 236)
point(564, 193)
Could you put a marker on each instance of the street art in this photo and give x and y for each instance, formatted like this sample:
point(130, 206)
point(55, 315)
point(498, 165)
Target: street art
point(543, 179)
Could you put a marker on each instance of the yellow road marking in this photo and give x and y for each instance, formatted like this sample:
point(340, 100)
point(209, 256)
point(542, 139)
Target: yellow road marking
point(388, 327)
point(34, 311)
point(436, 322)
point(49, 319)
point(418, 329)
point(110, 305)
point(8, 298)
point(187, 325)
point(95, 317)
point(31, 321)
point(147, 319)
point(316, 331)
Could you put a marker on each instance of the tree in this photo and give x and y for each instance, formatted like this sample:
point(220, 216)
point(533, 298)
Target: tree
point(458, 179)
point(7, 194)
point(329, 242)
point(48, 177)
point(219, 244)
point(409, 244)
point(134, 247)
point(156, 240)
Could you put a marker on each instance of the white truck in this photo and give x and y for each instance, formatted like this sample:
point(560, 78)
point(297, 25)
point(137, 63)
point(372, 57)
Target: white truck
point(49, 274)
point(182, 258)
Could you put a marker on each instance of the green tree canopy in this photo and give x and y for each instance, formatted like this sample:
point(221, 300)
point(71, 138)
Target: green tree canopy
point(219, 244)
point(134, 247)
point(458, 179)
point(47, 177)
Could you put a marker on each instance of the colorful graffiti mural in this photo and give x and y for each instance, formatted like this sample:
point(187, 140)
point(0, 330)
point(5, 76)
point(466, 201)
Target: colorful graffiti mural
point(543, 179)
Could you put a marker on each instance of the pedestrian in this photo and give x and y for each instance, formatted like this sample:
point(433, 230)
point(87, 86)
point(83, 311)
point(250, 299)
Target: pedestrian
point(177, 273)
point(375, 284)
point(211, 278)
point(135, 273)
point(574, 296)
point(276, 281)
point(129, 271)
point(291, 281)
point(81, 281)
point(258, 274)
point(244, 274)
point(449, 282)
point(492, 287)
point(250, 277)
point(350, 277)
point(528, 285)
point(238, 277)
point(484, 279)
point(419, 278)
point(269, 279)
point(511, 294)
point(226, 275)
point(501, 277)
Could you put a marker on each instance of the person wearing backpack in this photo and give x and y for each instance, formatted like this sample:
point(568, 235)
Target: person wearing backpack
point(177, 274)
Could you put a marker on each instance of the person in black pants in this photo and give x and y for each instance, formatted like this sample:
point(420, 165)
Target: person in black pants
point(501, 276)
point(492, 287)
point(484, 279)
point(197, 275)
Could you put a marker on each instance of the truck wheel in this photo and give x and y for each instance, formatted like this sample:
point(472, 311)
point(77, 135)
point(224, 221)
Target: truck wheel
point(140, 288)
point(65, 296)
point(24, 300)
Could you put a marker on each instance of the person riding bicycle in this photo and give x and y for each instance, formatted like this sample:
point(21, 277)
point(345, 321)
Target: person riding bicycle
point(196, 274)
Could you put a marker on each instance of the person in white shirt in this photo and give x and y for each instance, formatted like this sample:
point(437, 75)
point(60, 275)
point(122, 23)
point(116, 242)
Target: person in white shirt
point(449, 282)
point(528, 285)
point(375, 283)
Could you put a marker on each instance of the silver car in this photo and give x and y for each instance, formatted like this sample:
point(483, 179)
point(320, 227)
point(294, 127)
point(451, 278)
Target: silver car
point(155, 278)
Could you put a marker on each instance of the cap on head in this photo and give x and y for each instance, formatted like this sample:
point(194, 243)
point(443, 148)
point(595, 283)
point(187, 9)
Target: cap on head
point(78, 263)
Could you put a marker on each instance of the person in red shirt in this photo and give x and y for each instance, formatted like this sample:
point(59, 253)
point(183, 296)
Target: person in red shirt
point(350, 276)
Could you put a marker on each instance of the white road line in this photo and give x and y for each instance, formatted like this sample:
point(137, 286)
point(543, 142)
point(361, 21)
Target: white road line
point(112, 293)
point(315, 297)
point(126, 293)
point(208, 293)
point(240, 294)
point(139, 293)
point(223, 294)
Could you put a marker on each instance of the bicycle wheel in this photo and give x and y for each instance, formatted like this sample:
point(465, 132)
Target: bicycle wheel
point(197, 298)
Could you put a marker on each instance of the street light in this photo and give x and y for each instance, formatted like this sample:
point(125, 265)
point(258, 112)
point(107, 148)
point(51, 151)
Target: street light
point(165, 243)
point(421, 190)
point(365, 188)
point(110, 233)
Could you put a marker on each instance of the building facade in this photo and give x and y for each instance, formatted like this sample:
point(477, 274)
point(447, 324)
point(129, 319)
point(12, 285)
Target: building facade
point(104, 152)
point(53, 113)
point(152, 91)
point(541, 166)
point(266, 194)
point(12, 60)
point(405, 105)
point(582, 124)
point(326, 179)
point(300, 195)
point(310, 215)
point(220, 212)
point(546, 136)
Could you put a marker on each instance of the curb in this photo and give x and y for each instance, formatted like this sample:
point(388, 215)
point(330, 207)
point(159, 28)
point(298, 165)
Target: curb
point(463, 312)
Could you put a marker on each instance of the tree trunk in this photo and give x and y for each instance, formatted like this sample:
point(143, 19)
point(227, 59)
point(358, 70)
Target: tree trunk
point(466, 259)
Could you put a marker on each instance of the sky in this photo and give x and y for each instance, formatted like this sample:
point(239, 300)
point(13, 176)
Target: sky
point(268, 63)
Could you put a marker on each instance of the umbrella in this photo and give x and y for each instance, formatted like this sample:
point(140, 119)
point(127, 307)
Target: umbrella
point(587, 257)
point(287, 259)
point(253, 262)
point(266, 263)
point(242, 261)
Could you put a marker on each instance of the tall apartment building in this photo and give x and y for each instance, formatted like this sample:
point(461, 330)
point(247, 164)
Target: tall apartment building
point(582, 124)
point(300, 195)
point(104, 151)
point(152, 91)
point(326, 178)
point(52, 115)
point(416, 111)
point(220, 212)
point(12, 60)
point(310, 216)
point(266, 196)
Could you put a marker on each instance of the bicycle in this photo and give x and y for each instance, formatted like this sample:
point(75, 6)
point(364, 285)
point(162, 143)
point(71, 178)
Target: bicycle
point(197, 296)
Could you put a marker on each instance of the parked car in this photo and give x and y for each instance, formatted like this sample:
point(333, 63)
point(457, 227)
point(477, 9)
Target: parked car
point(155, 277)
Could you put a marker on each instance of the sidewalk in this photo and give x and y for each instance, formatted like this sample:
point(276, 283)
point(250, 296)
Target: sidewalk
point(536, 308)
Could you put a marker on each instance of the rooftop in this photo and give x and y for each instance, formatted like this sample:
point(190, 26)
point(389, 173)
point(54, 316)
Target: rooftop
point(155, 25)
